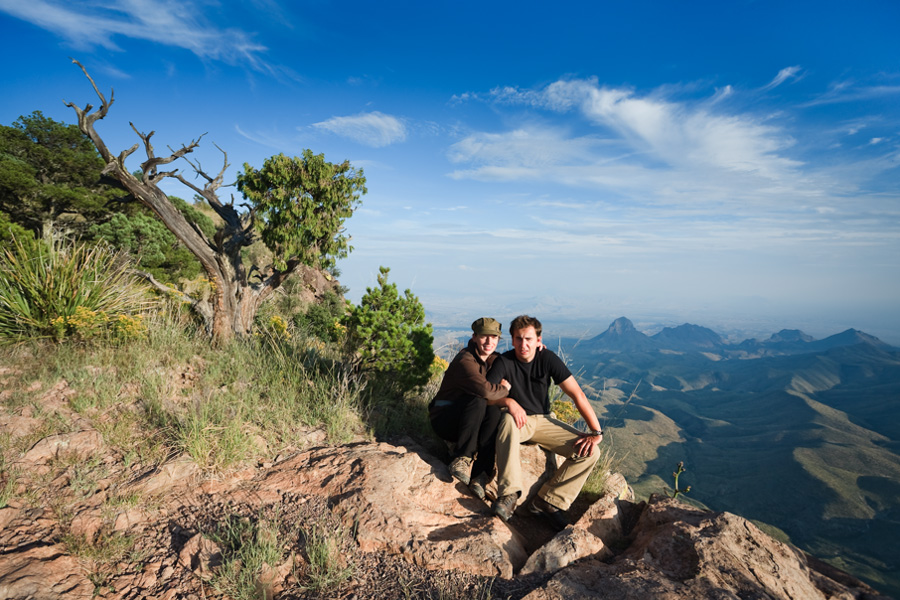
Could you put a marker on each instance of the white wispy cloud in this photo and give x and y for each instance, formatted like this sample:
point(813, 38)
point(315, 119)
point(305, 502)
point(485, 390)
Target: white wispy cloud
point(848, 91)
point(722, 94)
point(177, 23)
point(679, 134)
point(636, 145)
point(783, 75)
point(526, 147)
point(373, 129)
point(272, 140)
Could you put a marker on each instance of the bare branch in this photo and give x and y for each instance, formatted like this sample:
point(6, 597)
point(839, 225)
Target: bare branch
point(209, 192)
point(86, 118)
point(212, 183)
point(149, 167)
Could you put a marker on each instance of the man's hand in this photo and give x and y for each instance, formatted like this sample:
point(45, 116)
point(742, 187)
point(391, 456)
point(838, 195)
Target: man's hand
point(516, 412)
point(584, 445)
point(506, 384)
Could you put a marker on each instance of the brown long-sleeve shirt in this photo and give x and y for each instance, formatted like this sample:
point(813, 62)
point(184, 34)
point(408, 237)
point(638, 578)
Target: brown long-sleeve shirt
point(467, 376)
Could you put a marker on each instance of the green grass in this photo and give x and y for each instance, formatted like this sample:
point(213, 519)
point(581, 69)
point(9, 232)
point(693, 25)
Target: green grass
point(101, 555)
point(248, 547)
point(326, 566)
point(9, 481)
point(596, 485)
point(172, 393)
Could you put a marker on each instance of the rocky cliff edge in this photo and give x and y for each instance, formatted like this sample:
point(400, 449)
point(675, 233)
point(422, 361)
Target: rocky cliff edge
point(394, 503)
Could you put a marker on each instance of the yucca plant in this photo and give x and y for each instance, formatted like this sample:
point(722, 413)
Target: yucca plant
point(63, 289)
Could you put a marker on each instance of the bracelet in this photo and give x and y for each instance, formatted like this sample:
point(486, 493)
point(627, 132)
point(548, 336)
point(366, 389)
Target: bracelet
point(596, 432)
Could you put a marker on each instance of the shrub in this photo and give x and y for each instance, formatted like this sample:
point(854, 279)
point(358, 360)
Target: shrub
point(153, 246)
point(10, 231)
point(389, 334)
point(61, 290)
point(323, 319)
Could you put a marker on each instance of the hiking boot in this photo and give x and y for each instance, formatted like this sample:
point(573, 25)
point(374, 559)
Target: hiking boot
point(556, 516)
point(504, 506)
point(477, 485)
point(460, 468)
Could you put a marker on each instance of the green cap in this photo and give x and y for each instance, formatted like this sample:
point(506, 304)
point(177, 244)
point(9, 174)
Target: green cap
point(486, 326)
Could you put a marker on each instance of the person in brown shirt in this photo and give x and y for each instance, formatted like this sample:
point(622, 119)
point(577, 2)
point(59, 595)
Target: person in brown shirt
point(462, 413)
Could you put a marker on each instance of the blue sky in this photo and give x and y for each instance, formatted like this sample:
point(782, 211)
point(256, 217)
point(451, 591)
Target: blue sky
point(730, 164)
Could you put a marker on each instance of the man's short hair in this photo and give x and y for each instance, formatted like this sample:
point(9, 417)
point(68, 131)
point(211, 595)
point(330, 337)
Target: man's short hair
point(523, 321)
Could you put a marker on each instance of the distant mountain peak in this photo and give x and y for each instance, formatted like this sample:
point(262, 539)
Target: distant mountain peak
point(854, 336)
point(790, 335)
point(688, 337)
point(621, 336)
point(621, 326)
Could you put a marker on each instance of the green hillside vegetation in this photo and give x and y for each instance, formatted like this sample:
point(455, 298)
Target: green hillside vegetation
point(807, 443)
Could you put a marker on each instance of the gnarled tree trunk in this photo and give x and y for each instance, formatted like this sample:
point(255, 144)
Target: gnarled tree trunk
point(236, 299)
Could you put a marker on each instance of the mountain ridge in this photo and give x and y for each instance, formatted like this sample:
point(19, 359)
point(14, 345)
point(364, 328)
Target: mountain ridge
point(623, 336)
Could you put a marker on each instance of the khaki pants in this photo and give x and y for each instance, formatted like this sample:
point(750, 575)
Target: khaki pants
point(550, 434)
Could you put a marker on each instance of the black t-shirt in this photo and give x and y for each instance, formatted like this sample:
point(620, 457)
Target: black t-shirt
point(530, 381)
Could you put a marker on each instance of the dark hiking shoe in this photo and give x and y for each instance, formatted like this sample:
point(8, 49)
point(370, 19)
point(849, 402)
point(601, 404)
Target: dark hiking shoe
point(555, 515)
point(504, 506)
point(460, 468)
point(477, 485)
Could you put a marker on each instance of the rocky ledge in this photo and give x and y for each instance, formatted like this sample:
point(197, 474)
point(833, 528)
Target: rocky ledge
point(403, 520)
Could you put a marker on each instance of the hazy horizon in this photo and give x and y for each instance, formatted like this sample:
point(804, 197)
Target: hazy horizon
point(728, 327)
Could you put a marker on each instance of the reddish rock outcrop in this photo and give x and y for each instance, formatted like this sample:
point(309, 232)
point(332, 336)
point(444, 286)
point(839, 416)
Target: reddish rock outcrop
point(403, 502)
point(43, 573)
point(679, 553)
point(400, 501)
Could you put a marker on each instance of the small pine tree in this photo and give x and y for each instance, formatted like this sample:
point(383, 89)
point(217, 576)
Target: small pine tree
point(389, 335)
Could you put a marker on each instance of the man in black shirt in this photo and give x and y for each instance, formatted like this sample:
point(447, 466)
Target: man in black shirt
point(527, 419)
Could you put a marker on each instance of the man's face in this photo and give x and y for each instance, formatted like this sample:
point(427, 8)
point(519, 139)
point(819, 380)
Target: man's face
point(526, 342)
point(486, 344)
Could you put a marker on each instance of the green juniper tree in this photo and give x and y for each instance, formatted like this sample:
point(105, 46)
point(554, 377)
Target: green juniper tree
point(50, 175)
point(156, 251)
point(389, 334)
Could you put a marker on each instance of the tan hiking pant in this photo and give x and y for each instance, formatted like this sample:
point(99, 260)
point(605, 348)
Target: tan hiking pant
point(550, 434)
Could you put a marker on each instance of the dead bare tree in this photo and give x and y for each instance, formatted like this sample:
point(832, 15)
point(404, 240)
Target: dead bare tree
point(236, 298)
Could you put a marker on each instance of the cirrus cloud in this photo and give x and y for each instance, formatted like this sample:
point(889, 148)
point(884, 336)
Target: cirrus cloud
point(373, 129)
point(177, 23)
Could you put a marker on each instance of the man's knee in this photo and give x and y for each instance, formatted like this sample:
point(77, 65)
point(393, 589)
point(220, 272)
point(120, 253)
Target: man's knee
point(507, 427)
point(591, 458)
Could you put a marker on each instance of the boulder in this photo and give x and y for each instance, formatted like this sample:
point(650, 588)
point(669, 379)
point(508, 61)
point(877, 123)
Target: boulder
point(679, 552)
point(598, 529)
point(402, 501)
point(399, 500)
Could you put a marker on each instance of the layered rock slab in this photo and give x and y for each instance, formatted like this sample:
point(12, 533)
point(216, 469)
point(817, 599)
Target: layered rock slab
point(403, 502)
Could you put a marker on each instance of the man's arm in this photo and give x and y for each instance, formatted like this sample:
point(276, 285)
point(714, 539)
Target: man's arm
point(585, 444)
point(515, 409)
